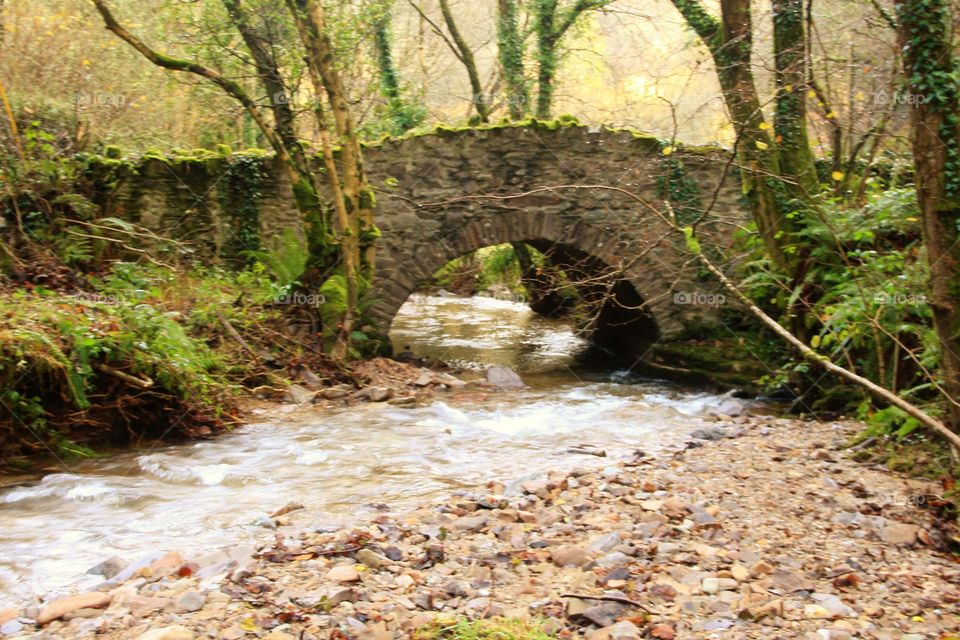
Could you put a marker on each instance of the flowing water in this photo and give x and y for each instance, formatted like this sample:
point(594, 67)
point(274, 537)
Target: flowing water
point(204, 496)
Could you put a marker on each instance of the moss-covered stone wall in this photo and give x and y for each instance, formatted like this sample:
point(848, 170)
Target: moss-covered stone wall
point(449, 191)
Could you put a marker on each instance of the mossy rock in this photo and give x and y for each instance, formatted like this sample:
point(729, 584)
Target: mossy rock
point(724, 364)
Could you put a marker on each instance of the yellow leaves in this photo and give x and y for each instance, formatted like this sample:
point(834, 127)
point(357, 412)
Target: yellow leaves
point(763, 146)
point(85, 62)
point(811, 93)
point(831, 115)
point(764, 126)
point(667, 150)
point(912, 219)
point(838, 175)
point(248, 625)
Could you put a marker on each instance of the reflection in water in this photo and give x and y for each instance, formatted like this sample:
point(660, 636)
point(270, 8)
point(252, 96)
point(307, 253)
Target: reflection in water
point(206, 495)
point(474, 333)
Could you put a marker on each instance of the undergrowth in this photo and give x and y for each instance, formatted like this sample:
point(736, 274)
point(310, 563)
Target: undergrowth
point(140, 352)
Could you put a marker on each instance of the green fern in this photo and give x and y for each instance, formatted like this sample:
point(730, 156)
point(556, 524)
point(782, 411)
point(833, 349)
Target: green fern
point(286, 260)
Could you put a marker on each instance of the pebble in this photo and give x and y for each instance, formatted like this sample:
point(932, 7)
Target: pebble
point(108, 568)
point(715, 585)
point(175, 632)
point(343, 573)
point(504, 378)
point(613, 560)
point(11, 627)
point(371, 559)
point(471, 523)
point(662, 631)
point(188, 602)
point(709, 433)
point(624, 630)
point(570, 556)
point(900, 533)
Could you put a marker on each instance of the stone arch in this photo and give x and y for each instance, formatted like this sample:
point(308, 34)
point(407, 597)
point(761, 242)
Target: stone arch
point(445, 193)
point(408, 261)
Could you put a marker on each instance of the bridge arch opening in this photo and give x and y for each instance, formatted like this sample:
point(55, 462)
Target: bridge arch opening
point(555, 280)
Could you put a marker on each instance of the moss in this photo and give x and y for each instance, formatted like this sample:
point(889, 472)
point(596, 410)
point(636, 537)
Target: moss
point(367, 199)
point(727, 363)
point(198, 156)
point(369, 235)
point(704, 150)
point(561, 122)
point(494, 629)
point(113, 152)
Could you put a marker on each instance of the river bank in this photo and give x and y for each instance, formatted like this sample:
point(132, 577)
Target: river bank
point(747, 531)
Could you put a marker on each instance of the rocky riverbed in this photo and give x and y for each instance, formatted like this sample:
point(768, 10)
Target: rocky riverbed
point(757, 528)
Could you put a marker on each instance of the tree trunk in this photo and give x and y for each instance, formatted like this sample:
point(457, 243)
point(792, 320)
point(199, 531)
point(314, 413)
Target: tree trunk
point(269, 74)
point(926, 39)
point(480, 101)
point(510, 51)
point(545, 11)
point(356, 216)
point(790, 122)
point(401, 115)
point(730, 42)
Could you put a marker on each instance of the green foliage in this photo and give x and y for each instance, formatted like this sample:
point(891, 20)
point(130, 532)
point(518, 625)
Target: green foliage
point(286, 260)
point(402, 113)
point(680, 189)
point(864, 294)
point(145, 321)
point(891, 421)
point(494, 629)
point(50, 342)
point(481, 269)
point(240, 198)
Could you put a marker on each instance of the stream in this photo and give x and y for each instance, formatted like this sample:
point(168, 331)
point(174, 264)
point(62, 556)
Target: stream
point(340, 464)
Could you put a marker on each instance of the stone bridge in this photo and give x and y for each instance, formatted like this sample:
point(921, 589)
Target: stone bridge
point(445, 194)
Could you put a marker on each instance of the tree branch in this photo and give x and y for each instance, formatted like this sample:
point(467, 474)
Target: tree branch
point(229, 87)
